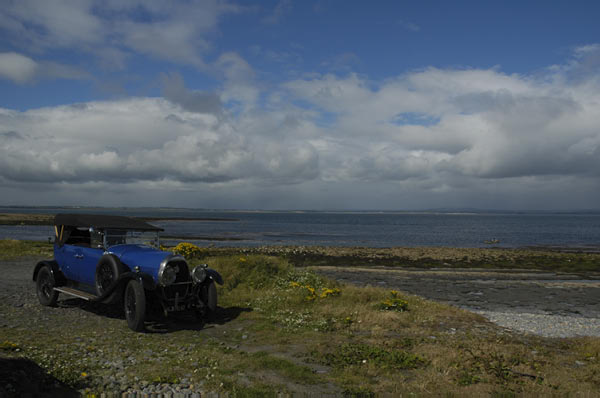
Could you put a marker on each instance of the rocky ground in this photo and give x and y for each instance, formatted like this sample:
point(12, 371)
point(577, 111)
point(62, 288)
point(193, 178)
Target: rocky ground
point(544, 303)
point(19, 309)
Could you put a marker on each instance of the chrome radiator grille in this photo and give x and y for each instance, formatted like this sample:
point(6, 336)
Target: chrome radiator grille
point(182, 282)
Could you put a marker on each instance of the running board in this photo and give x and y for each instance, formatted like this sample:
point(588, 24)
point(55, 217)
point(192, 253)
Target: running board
point(76, 293)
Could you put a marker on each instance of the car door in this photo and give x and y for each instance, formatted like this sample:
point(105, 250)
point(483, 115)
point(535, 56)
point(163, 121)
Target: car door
point(67, 261)
point(88, 260)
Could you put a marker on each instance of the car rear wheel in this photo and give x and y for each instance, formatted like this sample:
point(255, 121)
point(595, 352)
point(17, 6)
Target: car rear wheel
point(135, 306)
point(45, 287)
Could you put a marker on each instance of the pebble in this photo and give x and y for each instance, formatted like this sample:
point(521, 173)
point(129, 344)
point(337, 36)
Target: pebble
point(546, 325)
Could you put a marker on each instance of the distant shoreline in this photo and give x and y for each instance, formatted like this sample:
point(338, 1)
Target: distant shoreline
point(311, 230)
point(48, 219)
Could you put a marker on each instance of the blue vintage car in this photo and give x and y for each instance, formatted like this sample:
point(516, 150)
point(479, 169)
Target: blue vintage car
point(116, 259)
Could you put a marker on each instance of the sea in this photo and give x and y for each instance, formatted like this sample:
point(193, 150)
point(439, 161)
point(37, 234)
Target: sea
point(234, 228)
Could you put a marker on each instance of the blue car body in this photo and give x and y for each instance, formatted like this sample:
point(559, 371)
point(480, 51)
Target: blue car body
point(94, 259)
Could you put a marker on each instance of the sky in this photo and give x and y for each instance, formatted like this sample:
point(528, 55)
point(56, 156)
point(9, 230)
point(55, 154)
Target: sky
point(313, 104)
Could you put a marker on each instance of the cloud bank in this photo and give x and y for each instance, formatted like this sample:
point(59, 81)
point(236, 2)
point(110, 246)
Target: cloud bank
point(434, 137)
point(424, 138)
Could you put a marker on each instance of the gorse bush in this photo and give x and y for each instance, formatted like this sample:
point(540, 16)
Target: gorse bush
point(393, 303)
point(313, 294)
point(189, 250)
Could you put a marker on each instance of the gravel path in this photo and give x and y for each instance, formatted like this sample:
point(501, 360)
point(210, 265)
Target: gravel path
point(547, 325)
point(19, 309)
point(542, 303)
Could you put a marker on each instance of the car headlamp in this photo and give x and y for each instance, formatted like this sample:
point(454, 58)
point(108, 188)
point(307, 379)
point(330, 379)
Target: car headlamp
point(169, 275)
point(199, 273)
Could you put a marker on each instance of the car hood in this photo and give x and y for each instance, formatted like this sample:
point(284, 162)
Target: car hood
point(145, 257)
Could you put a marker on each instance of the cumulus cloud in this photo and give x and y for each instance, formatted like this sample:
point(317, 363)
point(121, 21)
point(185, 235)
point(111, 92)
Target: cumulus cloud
point(194, 101)
point(426, 138)
point(141, 139)
point(239, 80)
point(470, 123)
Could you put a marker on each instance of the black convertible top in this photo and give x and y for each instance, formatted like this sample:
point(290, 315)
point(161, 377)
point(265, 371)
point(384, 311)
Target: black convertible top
point(103, 222)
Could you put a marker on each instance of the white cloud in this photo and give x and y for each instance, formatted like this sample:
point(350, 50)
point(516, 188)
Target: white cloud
point(427, 138)
point(239, 80)
point(142, 139)
point(17, 67)
point(469, 123)
point(174, 31)
point(44, 24)
point(22, 69)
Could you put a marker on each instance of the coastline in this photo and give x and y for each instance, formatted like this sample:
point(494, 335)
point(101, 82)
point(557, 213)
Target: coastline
point(557, 233)
point(48, 219)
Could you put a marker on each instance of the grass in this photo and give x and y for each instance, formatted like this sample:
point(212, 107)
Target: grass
point(289, 335)
point(434, 257)
point(26, 219)
point(12, 248)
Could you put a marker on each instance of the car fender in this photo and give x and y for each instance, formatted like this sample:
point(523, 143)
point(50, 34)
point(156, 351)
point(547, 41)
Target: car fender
point(214, 275)
point(58, 276)
point(146, 280)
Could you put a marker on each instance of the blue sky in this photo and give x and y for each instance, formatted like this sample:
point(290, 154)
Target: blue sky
point(300, 104)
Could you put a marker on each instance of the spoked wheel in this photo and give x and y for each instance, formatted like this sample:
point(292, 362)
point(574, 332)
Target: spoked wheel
point(135, 306)
point(45, 287)
point(108, 270)
point(104, 277)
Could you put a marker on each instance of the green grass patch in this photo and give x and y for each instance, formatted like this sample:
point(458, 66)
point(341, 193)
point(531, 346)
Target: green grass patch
point(12, 249)
point(432, 257)
point(359, 354)
point(288, 369)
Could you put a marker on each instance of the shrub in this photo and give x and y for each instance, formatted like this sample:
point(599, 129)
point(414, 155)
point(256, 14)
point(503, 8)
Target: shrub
point(312, 292)
point(189, 250)
point(393, 303)
point(255, 271)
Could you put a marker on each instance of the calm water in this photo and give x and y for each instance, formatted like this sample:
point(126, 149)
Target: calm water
point(354, 228)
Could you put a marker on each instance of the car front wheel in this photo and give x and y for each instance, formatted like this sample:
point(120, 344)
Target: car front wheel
point(45, 287)
point(211, 297)
point(135, 306)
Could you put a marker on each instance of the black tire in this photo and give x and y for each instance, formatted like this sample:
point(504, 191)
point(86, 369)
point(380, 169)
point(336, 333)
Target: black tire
point(108, 270)
point(45, 287)
point(135, 306)
point(210, 297)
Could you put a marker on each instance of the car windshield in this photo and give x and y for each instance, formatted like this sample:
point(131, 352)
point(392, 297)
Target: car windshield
point(114, 237)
